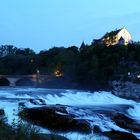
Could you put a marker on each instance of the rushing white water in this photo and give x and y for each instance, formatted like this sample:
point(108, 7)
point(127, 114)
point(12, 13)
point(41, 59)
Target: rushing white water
point(65, 97)
point(135, 111)
point(83, 104)
point(85, 98)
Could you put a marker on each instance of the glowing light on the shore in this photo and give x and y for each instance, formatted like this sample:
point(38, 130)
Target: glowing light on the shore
point(58, 73)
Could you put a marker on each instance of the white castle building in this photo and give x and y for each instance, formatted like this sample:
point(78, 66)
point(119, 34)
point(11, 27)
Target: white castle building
point(121, 36)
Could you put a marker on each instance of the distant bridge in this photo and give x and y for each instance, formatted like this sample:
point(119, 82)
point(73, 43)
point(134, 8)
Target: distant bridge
point(14, 79)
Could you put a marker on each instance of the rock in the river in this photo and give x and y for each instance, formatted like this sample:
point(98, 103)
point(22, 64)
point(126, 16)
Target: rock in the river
point(2, 113)
point(37, 101)
point(42, 101)
point(55, 118)
point(117, 135)
point(125, 122)
point(97, 129)
point(34, 101)
point(82, 126)
point(22, 104)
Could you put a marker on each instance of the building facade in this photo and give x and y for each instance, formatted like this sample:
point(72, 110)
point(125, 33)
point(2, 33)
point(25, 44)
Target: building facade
point(121, 37)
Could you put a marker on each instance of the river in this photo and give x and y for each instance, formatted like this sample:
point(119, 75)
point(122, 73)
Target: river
point(86, 105)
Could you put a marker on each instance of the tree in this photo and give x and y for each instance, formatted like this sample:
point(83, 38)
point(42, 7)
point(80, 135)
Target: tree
point(7, 50)
point(25, 51)
point(82, 45)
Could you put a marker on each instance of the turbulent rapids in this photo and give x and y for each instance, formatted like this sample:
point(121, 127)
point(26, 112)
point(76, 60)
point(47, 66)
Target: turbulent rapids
point(102, 110)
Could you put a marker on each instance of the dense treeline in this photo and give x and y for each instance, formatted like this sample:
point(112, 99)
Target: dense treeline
point(100, 64)
point(87, 65)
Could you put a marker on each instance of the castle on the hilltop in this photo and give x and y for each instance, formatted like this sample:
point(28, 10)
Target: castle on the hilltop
point(121, 37)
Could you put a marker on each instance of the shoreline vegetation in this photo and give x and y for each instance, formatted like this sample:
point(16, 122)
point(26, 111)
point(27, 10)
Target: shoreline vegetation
point(20, 130)
point(92, 67)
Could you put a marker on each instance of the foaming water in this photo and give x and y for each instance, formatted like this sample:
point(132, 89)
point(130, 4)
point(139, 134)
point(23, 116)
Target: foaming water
point(69, 97)
point(85, 105)
point(135, 111)
point(86, 98)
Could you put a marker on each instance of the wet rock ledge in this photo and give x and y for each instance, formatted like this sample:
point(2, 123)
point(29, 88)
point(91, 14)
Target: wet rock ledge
point(55, 118)
point(117, 135)
point(127, 90)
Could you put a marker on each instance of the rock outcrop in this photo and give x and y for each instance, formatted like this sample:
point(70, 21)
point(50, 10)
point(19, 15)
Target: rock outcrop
point(117, 135)
point(126, 90)
point(125, 122)
point(55, 118)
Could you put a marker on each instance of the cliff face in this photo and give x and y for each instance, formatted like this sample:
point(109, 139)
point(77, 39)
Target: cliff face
point(127, 90)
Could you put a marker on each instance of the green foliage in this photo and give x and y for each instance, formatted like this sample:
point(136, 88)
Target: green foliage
point(64, 57)
point(101, 63)
point(18, 131)
point(89, 64)
point(23, 131)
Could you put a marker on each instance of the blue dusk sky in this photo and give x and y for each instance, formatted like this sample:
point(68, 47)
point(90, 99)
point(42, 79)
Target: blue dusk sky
point(41, 24)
